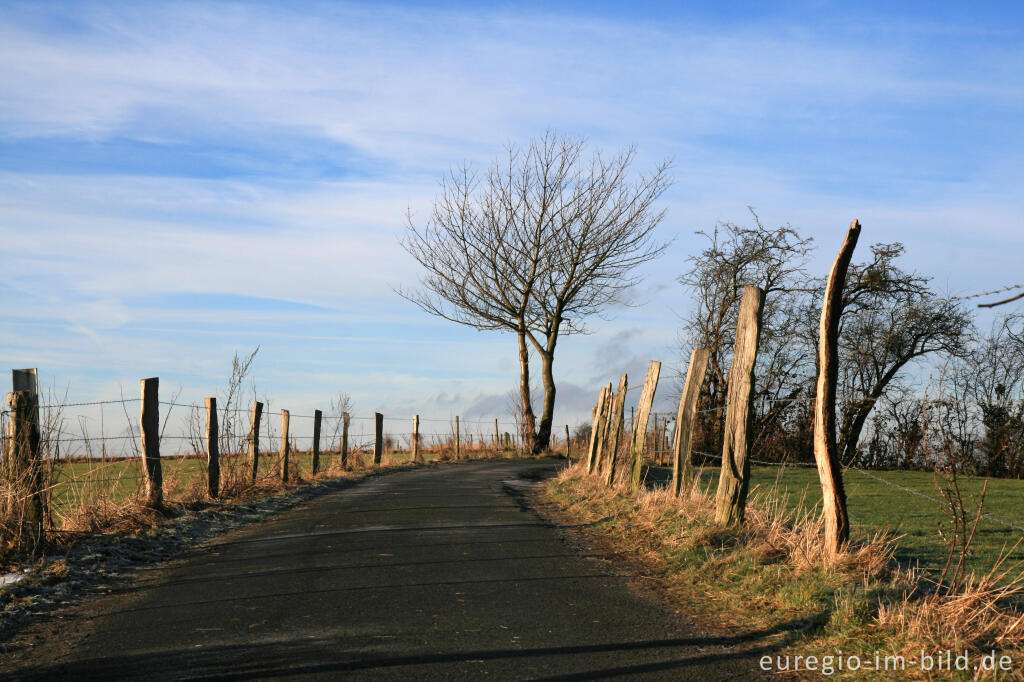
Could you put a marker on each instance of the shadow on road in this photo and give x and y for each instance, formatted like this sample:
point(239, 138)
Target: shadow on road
point(329, 656)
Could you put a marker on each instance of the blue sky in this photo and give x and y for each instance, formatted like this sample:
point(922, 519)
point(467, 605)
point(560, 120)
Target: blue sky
point(181, 180)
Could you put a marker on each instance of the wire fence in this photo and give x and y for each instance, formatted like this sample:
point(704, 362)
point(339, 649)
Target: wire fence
point(92, 451)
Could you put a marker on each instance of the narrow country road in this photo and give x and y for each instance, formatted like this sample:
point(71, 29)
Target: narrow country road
point(426, 574)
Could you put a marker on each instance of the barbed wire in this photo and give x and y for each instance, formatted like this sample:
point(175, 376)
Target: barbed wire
point(88, 404)
point(1012, 287)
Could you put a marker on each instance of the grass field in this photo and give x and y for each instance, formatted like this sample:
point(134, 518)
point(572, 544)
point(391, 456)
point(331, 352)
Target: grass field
point(873, 506)
point(82, 483)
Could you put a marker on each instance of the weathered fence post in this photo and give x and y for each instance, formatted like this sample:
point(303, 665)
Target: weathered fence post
point(417, 456)
point(149, 419)
point(643, 413)
point(497, 440)
point(615, 430)
point(285, 418)
point(344, 439)
point(567, 442)
point(378, 438)
point(682, 444)
point(318, 416)
point(734, 480)
point(602, 430)
point(595, 430)
point(458, 440)
point(833, 496)
point(22, 468)
point(212, 449)
point(254, 437)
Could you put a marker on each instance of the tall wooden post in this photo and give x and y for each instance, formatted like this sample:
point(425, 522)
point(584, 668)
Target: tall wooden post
point(344, 439)
point(682, 444)
point(458, 440)
point(602, 431)
point(318, 416)
point(150, 429)
point(595, 431)
point(417, 456)
point(568, 445)
point(826, 454)
point(734, 480)
point(212, 449)
point(284, 445)
point(378, 438)
point(22, 468)
point(643, 413)
point(615, 430)
point(254, 438)
point(497, 439)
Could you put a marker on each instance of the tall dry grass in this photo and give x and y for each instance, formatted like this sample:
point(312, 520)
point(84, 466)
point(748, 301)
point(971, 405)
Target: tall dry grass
point(873, 597)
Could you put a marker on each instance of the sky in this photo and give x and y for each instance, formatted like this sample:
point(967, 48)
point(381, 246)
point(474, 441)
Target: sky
point(183, 181)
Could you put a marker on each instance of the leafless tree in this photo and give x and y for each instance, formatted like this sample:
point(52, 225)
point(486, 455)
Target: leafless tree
point(890, 318)
point(544, 239)
point(770, 258)
point(993, 375)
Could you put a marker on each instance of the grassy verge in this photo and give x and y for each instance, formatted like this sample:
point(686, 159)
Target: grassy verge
point(770, 577)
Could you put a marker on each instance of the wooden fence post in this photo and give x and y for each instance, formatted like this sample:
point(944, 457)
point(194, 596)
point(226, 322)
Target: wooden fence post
point(378, 438)
point(497, 440)
point(643, 412)
point(682, 444)
point(734, 480)
point(458, 443)
point(602, 431)
point(212, 449)
point(285, 418)
point(149, 419)
point(344, 439)
point(567, 442)
point(837, 522)
point(254, 437)
point(595, 430)
point(615, 430)
point(22, 468)
point(318, 416)
point(417, 456)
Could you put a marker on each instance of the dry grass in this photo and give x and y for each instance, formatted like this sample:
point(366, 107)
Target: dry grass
point(772, 571)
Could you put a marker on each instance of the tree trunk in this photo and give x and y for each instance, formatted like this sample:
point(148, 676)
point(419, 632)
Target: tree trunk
point(837, 523)
point(529, 422)
point(547, 415)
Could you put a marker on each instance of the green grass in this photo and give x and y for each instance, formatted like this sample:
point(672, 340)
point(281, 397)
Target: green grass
point(874, 506)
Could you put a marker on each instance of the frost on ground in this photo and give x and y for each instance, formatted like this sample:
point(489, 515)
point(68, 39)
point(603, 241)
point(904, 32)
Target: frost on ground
point(96, 561)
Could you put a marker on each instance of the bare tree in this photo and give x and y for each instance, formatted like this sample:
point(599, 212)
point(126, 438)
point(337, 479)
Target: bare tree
point(544, 239)
point(774, 260)
point(890, 318)
point(994, 379)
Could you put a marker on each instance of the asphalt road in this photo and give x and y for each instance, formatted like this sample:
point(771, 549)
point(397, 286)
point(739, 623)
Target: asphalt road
point(426, 574)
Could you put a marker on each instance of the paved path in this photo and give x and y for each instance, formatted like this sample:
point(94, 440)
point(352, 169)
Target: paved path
point(431, 573)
